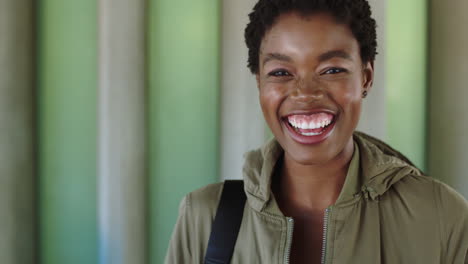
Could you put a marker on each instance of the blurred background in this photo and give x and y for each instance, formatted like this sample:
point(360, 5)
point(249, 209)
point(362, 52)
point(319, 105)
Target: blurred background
point(112, 110)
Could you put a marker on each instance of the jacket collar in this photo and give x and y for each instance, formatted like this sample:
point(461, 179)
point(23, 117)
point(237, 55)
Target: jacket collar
point(374, 168)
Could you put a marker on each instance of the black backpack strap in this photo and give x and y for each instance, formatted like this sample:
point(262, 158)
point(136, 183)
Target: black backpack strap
point(226, 224)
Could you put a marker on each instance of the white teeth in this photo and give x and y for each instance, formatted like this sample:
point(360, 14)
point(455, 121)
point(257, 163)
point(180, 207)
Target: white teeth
point(311, 133)
point(325, 123)
point(303, 124)
point(311, 125)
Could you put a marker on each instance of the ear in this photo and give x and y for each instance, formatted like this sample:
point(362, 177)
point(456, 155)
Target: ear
point(368, 76)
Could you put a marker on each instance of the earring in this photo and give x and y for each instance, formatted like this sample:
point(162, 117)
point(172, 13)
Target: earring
point(364, 94)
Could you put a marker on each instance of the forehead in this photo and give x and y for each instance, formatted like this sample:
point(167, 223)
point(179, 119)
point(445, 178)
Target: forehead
point(312, 35)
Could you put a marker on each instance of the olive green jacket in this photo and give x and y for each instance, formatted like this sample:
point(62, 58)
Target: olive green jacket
point(387, 212)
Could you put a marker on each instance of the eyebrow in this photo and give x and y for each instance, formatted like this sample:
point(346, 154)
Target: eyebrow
point(276, 56)
point(323, 57)
point(334, 54)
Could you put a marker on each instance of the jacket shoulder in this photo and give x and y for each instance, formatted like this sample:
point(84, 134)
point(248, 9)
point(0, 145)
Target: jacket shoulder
point(449, 196)
point(438, 200)
point(453, 208)
point(204, 200)
point(429, 189)
point(191, 233)
point(430, 200)
point(426, 187)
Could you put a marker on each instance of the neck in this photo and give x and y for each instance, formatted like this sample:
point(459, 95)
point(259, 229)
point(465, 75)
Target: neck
point(315, 187)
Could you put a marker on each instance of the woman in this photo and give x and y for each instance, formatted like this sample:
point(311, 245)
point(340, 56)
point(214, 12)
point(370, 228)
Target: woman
point(320, 192)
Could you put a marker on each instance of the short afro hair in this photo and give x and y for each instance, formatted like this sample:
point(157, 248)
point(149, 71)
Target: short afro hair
point(355, 13)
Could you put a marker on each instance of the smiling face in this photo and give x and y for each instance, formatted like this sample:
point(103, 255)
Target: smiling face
point(311, 79)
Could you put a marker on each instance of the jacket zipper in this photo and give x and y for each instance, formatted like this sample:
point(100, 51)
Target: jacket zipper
point(290, 229)
point(325, 231)
point(290, 223)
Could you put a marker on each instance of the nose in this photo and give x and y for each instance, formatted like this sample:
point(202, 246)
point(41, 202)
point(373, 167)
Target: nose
point(308, 91)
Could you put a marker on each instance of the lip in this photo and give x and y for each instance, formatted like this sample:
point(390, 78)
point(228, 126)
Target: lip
point(310, 112)
point(310, 140)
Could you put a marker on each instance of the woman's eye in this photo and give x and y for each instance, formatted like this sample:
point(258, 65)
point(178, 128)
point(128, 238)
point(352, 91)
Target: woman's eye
point(334, 71)
point(279, 73)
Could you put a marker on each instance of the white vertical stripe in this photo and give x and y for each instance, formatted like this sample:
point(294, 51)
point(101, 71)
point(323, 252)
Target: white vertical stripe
point(17, 160)
point(242, 124)
point(448, 108)
point(374, 115)
point(122, 132)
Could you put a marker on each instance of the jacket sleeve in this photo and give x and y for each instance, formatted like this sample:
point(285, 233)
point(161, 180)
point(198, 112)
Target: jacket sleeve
point(453, 210)
point(179, 250)
point(192, 231)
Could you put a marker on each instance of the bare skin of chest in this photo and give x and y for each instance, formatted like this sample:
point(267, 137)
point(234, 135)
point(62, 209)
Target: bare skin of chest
point(307, 239)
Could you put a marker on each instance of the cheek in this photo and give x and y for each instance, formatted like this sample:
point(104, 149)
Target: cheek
point(270, 101)
point(350, 95)
point(352, 109)
point(350, 98)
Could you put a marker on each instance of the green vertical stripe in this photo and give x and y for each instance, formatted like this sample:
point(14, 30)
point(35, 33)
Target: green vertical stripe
point(406, 77)
point(184, 91)
point(67, 127)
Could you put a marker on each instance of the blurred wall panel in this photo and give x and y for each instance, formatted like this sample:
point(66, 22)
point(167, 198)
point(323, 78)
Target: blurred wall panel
point(242, 125)
point(183, 108)
point(68, 131)
point(17, 159)
point(374, 113)
point(448, 108)
point(122, 141)
point(407, 78)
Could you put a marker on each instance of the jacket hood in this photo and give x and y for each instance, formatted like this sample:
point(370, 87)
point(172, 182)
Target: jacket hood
point(380, 166)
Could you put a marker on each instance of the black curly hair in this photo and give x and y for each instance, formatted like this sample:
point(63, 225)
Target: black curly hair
point(355, 13)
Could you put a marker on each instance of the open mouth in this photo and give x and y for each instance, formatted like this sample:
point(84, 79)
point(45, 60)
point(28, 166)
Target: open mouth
point(310, 128)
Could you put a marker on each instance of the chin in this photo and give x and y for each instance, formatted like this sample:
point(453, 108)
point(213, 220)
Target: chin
point(307, 156)
point(325, 152)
